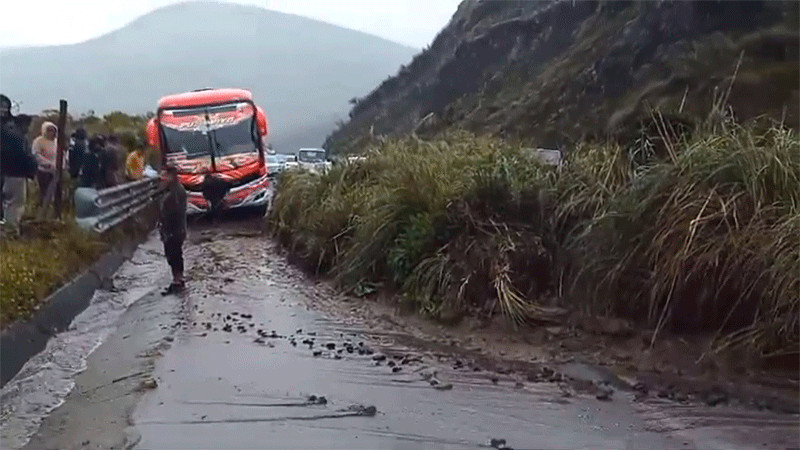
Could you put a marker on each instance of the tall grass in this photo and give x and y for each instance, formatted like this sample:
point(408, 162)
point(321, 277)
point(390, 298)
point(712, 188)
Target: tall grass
point(703, 238)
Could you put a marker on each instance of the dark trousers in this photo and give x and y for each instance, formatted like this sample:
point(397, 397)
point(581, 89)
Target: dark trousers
point(44, 179)
point(173, 249)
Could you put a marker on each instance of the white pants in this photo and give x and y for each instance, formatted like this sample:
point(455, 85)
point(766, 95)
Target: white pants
point(14, 193)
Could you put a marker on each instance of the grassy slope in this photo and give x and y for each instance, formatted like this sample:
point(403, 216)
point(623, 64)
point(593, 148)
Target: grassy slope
point(704, 238)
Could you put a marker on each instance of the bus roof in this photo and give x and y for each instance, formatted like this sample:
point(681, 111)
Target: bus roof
point(203, 97)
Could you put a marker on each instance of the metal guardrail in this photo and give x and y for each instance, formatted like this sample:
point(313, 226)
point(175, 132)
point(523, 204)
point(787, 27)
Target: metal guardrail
point(104, 209)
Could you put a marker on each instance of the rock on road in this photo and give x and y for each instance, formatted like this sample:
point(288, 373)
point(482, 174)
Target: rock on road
point(241, 361)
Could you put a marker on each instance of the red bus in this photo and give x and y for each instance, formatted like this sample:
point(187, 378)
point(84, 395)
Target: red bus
point(216, 139)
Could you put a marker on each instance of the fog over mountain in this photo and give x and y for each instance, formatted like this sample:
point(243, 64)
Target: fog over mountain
point(301, 71)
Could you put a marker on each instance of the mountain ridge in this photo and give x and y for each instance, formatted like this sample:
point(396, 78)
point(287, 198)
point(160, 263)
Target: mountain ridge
point(554, 73)
point(301, 70)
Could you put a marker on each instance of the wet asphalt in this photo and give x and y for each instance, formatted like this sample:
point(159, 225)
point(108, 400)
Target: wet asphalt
point(241, 360)
point(252, 367)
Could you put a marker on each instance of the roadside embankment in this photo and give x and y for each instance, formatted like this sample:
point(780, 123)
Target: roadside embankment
point(49, 274)
point(697, 233)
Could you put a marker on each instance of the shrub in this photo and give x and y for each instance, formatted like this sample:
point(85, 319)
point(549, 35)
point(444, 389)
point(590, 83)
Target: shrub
point(703, 237)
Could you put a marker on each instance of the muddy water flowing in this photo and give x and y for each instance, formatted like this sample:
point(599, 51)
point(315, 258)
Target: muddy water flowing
point(48, 377)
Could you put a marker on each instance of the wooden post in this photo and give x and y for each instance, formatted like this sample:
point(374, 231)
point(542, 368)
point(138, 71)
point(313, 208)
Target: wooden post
point(62, 147)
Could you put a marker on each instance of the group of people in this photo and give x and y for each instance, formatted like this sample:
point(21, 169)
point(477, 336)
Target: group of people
point(91, 162)
point(94, 162)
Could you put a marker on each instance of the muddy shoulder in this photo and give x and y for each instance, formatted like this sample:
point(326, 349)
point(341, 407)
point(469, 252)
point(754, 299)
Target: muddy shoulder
point(96, 414)
point(585, 353)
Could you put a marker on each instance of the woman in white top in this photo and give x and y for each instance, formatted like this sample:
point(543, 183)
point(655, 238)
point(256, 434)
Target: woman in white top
point(44, 149)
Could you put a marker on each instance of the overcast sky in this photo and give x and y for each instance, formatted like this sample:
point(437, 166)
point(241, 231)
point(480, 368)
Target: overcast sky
point(49, 22)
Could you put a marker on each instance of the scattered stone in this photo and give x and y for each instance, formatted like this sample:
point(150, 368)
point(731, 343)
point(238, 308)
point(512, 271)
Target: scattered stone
point(396, 369)
point(246, 316)
point(299, 331)
point(443, 387)
point(495, 380)
point(259, 341)
point(349, 349)
point(715, 396)
point(148, 383)
point(337, 356)
point(519, 385)
point(169, 338)
point(391, 364)
point(317, 400)
point(604, 392)
point(379, 357)
point(227, 328)
point(317, 352)
point(668, 393)
point(497, 443)
point(330, 345)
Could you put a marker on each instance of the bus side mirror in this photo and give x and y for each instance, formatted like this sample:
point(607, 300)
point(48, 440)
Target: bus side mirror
point(153, 138)
point(261, 118)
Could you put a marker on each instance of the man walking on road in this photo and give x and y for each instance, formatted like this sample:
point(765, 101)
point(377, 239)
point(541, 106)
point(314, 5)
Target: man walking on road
point(173, 227)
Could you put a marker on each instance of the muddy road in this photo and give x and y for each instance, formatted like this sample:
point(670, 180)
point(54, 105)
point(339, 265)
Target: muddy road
point(247, 359)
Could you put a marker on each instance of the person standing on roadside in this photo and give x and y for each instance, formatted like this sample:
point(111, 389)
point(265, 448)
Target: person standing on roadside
point(17, 164)
point(134, 164)
point(44, 149)
point(90, 168)
point(172, 226)
point(110, 161)
point(76, 153)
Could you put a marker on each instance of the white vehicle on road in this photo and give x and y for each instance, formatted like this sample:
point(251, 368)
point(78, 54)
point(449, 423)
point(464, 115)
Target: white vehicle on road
point(313, 159)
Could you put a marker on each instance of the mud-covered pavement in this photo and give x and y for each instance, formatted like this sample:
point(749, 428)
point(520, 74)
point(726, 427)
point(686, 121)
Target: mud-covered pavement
point(243, 360)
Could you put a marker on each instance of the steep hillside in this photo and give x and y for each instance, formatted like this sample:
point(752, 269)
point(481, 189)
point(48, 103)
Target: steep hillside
point(302, 71)
point(554, 72)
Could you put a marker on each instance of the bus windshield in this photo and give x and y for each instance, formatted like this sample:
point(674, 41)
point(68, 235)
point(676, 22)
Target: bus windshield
point(210, 131)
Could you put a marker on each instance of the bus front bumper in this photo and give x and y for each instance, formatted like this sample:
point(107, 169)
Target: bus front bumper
point(254, 194)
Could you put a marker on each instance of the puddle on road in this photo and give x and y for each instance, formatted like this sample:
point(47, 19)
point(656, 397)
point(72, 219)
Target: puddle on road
point(48, 377)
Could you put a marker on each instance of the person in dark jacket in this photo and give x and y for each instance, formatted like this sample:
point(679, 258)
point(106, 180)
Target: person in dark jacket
point(90, 174)
point(110, 161)
point(173, 226)
point(76, 153)
point(17, 164)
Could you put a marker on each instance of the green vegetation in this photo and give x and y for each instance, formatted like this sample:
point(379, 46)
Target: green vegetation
point(699, 232)
point(38, 262)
